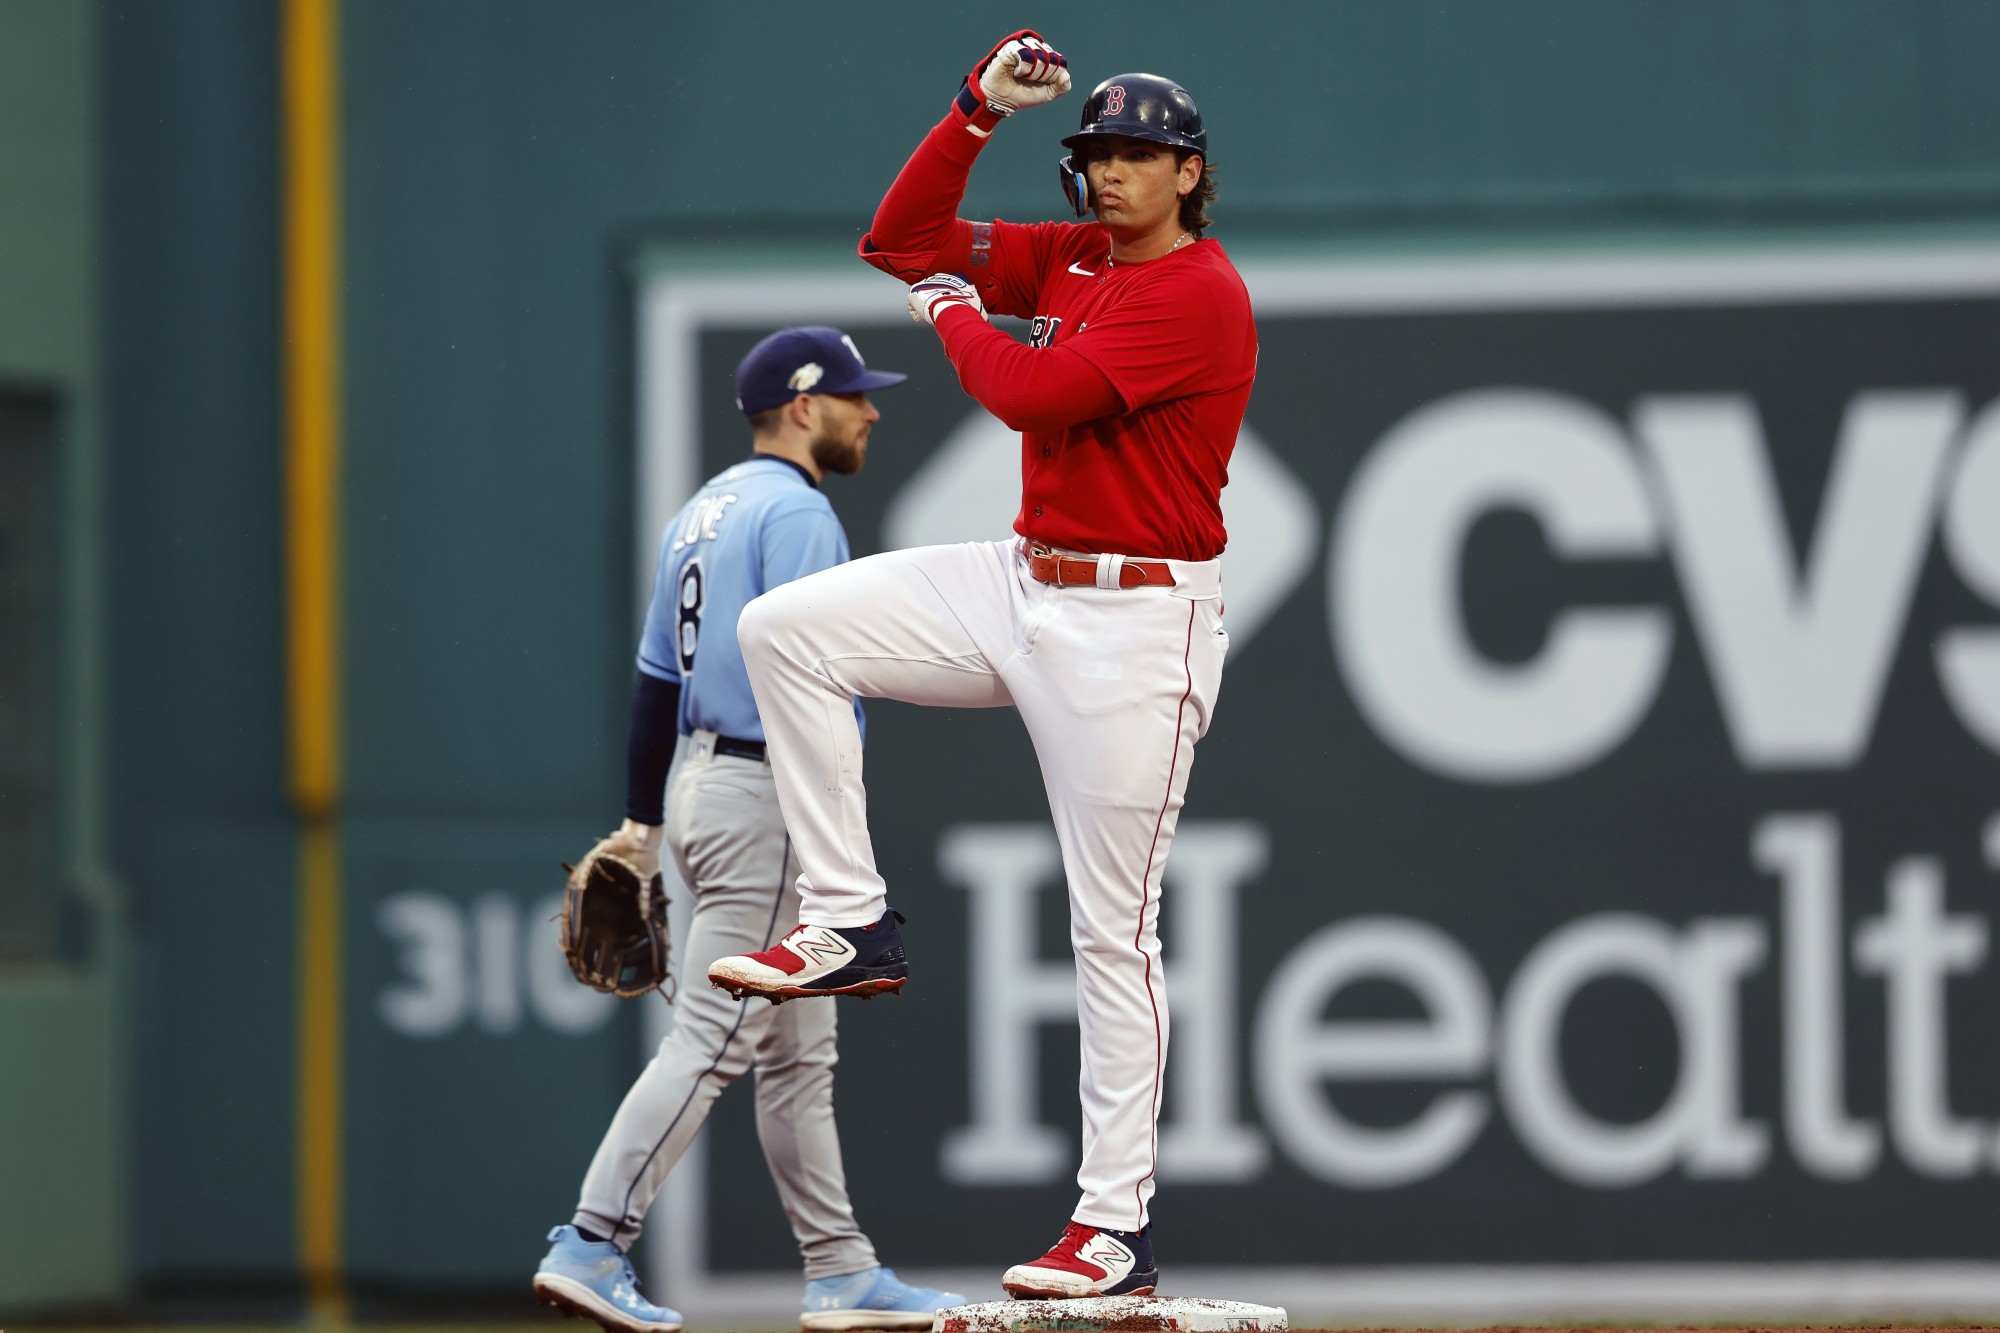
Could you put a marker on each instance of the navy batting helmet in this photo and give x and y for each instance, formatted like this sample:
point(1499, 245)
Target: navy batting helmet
point(1135, 106)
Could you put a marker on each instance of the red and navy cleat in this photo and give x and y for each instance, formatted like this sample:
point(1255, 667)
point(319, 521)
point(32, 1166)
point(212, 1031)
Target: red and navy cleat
point(819, 960)
point(1089, 1261)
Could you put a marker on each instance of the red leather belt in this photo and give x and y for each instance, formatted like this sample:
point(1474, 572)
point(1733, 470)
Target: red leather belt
point(1096, 571)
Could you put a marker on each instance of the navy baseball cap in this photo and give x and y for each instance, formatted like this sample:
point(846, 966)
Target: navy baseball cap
point(815, 359)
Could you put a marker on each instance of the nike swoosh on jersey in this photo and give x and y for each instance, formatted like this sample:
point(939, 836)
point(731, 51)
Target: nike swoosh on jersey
point(1083, 272)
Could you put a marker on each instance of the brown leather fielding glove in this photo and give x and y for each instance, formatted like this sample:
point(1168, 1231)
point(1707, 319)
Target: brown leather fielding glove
point(614, 924)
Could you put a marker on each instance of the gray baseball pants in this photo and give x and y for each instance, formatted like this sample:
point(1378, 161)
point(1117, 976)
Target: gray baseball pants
point(728, 837)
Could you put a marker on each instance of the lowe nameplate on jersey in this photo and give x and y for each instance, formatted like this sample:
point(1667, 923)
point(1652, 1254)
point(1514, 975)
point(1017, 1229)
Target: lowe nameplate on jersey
point(1594, 854)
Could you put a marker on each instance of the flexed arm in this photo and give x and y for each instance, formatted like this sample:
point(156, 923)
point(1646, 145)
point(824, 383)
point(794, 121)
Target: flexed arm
point(1027, 388)
point(917, 220)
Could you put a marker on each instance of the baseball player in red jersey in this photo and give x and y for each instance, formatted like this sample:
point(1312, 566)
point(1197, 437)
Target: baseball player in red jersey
point(1101, 624)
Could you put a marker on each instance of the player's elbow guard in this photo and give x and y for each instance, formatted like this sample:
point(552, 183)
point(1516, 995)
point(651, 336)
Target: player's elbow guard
point(906, 266)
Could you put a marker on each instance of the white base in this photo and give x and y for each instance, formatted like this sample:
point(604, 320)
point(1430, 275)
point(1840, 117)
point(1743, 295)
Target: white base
point(1847, 1292)
point(1126, 1314)
point(844, 1321)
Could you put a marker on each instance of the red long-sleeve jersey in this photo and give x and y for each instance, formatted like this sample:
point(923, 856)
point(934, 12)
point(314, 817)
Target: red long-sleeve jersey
point(1132, 389)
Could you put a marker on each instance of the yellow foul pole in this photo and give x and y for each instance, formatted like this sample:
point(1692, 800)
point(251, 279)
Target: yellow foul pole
point(310, 78)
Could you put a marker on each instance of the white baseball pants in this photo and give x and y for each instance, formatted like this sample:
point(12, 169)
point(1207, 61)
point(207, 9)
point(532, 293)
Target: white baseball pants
point(1115, 686)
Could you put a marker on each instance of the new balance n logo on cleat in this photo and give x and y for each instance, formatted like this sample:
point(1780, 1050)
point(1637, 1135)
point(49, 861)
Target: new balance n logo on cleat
point(1088, 1261)
point(1107, 1254)
point(864, 961)
point(819, 945)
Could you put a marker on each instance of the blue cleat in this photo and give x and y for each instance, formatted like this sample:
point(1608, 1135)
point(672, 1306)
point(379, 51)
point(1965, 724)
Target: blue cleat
point(594, 1280)
point(872, 1298)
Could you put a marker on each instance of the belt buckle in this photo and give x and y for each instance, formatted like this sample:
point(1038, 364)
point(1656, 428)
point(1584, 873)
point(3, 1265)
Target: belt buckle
point(1040, 551)
point(1106, 570)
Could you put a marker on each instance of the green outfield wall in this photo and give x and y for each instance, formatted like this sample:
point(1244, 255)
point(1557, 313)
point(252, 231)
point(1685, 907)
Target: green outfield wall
point(511, 172)
point(64, 1031)
point(206, 837)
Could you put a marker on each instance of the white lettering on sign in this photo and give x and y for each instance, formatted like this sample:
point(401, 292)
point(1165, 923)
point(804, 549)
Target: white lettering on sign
point(1804, 851)
point(1398, 629)
point(1799, 658)
point(1915, 947)
point(1004, 866)
point(1297, 1050)
point(1697, 972)
point(429, 999)
point(1798, 637)
point(1300, 1057)
point(1968, 660)
point(458, 965)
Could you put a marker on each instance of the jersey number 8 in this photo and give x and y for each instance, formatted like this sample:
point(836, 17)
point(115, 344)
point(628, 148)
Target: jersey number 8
point(687, 615)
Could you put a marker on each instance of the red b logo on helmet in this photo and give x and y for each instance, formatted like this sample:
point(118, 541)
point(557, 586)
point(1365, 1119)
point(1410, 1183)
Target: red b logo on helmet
point(1114, 99)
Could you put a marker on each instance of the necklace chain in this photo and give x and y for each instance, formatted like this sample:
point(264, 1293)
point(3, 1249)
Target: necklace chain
point(1186, 236)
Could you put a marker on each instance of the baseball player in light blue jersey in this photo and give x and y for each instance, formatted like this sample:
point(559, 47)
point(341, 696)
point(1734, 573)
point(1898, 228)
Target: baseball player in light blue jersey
point(759, 524)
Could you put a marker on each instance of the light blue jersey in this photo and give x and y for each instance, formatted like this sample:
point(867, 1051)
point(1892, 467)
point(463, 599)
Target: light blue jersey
point(757, 525)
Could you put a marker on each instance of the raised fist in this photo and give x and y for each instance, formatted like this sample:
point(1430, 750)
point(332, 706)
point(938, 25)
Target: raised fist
point(1023, 70)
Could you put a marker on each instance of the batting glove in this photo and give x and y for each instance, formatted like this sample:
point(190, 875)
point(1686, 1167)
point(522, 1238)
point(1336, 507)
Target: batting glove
point(929, 297)
point(1023, 70)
